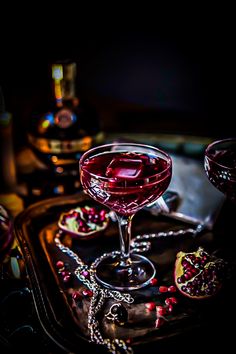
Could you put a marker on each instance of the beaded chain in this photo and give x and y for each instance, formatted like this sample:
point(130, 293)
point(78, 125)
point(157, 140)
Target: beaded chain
point(86, 275)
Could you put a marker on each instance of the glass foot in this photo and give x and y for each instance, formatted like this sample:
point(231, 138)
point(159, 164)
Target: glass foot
point(112, 275)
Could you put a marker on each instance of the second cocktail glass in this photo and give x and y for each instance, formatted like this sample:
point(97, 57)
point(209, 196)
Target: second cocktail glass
point(125, 178)
point(220, 166)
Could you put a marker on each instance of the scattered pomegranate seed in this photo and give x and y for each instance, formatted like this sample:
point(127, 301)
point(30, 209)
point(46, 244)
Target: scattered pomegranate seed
point(172, 289)
point(168, 301)
point(163, 289)
point(153, 281)
point(87, 293)
point(173, 300)
point(160, 310)
point(170, 308)
point(76, 295)
point(66, 278)
point(65, 273)
point(60, 264)
point(150, 306)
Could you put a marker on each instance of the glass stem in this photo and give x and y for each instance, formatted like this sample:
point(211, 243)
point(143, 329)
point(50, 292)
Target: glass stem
point(124, 223)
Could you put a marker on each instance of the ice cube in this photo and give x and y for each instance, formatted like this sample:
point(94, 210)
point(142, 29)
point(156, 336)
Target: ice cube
point(122, 167)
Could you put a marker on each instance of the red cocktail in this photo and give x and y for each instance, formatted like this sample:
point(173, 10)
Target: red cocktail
point(220, 166)
point(125, 178)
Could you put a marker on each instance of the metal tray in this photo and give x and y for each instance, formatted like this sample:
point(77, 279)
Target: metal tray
point(66, 324)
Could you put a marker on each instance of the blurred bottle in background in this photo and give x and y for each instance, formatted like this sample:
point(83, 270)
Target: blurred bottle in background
point(59, 136)
point(8, 177)
point(11, 204)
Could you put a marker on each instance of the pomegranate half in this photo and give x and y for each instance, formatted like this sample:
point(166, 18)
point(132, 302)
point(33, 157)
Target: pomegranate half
point(84, 222)
point(198, 275)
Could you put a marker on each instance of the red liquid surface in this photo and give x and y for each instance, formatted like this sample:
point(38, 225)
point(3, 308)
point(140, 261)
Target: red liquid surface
point(125, 182)
point(221, 171)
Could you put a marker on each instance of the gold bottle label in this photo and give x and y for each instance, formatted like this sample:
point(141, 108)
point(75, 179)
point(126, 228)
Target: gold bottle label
point(54, 146)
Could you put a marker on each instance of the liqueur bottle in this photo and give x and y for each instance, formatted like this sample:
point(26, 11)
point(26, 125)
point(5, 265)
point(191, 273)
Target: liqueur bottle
point(7, 160)
point(66, 130)
point(8, 175)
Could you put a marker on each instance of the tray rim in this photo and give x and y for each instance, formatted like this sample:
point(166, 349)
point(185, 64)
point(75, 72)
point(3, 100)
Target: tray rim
point(65, 341)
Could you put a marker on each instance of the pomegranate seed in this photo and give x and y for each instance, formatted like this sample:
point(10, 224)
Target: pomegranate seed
point(60, 264)
point(159, 322)
point(87, 293)
point(194, 271)
point(153, 281)
point(188, 275)
point(179, 280)
point(173, 300)
point(160, 310)
point(184, 263)
point(168, 301)
point(103, 213)
point(76, 295)
point(191, 256)
point(66, 278)
point(172, 289)
point(163, 289)
point(170, 308)
point(150, 306)
point(84, 229)
point(92, 211)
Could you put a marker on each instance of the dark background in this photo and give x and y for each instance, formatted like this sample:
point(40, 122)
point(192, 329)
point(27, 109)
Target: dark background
point(171, 75)
point(167, 72)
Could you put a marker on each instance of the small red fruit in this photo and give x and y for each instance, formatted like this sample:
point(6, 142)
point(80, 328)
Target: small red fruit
point(153, 281)
point(172, 289)
point(60, 264)
point(150, 306)
point(161, 311)
point(163, 289)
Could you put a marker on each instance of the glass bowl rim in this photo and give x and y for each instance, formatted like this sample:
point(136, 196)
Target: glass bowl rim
point(140, 145)
point(215, 143)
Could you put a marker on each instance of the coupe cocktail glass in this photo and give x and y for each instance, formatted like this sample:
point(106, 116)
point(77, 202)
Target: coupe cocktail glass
point(125, 178)
point(220, 166)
